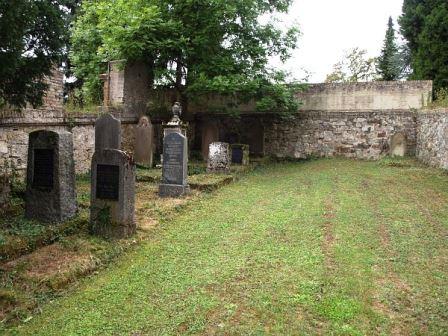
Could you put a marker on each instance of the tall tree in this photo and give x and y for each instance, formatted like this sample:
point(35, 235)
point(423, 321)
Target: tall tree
point(30, 46)
point(424, 24)
point(354, 67)
point(389, 62)
point(195, 47)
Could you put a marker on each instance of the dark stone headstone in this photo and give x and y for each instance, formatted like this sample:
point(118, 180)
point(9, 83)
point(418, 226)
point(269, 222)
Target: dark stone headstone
point(112, 194)
point(174, 167)
point(107, 133)
point(50, 192)
point(240, 154)
point(144, 146)
point(219, 158)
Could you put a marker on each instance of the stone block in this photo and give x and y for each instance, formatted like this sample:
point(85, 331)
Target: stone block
point(112, 194)
point(50, 190)
point(219, 158)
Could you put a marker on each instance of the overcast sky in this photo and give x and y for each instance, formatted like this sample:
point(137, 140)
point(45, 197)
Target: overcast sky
point(329, 27)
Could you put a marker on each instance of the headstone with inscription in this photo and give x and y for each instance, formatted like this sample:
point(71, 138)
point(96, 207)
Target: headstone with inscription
point(240, 154)
point(174, 166)
point(219, 158)
point(398, 146)
point(107, 133)
point(112, 194)
point(144, 144)
point(50, 182)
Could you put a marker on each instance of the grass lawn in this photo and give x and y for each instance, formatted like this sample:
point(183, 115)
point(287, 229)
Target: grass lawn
point(329, 246)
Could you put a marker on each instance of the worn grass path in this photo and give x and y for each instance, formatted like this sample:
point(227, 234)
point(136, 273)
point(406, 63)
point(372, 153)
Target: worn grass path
point(321, 247)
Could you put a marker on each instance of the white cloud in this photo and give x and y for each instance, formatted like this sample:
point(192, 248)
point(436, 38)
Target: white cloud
point(330, 27)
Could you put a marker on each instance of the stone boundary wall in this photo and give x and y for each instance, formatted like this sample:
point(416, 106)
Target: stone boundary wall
point(14, 136)
point(398, 95)
point(432, 138)
point(362, 135)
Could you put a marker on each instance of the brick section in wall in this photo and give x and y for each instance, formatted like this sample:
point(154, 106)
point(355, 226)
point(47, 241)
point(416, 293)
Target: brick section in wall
point(432, 138)
point(362, 135)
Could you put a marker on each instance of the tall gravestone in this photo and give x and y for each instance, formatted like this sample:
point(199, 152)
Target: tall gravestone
point(219, 158)
point(50, 182)
point(112, 194)
point(107, 133)
point(175, 158)
point(144, 145)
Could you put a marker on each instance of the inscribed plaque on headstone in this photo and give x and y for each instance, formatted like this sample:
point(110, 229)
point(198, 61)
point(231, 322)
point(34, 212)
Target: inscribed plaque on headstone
point(107, 133)
point(112, 199)
point(174, 166)
point(50, 182)
point(144, 145)
point(43, 172)
point(107, 182)
point(174, 159)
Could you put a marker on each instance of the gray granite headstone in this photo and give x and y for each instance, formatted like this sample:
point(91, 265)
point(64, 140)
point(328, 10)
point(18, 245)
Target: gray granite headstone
point(144, 145)
point(112, 194)
point(107, 133)
point(398, 146)
point(175, 165)
point(240, 154)
point(219, 158)
point(50, 182)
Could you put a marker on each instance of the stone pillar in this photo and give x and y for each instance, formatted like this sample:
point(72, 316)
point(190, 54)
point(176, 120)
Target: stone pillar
point(129, 86)
point(219, 158)
point(112, 194)
point(50, 187)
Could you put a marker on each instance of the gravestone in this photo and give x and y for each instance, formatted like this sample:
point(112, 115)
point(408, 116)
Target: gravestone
point(50, 182)
point(144, 146)
point(398, 145)
point(174, 166)
point(107, 133)
point(240, 154)
point(112, 194)
point(219, 158)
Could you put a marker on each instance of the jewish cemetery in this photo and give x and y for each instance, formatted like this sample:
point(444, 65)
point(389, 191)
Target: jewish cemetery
point(224, 167)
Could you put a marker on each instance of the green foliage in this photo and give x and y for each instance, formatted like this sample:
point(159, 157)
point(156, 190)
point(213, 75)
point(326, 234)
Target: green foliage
point(195, 47)
point(354, 67)
point(424, 24)
point(389, 63)
point(30, 46)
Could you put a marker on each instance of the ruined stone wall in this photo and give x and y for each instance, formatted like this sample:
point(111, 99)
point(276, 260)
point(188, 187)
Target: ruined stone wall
point(366, 96)
point(14, 141)
point(432, 138)
point(362, 135)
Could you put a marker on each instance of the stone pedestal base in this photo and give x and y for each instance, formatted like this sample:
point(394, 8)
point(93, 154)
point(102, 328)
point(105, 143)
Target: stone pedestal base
point(173, 190)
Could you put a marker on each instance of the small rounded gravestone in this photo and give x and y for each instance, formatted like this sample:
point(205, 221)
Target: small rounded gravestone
point(398, 145)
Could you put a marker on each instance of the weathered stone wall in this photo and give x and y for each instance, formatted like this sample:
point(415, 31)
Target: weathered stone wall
point(432, 138)
point(366, 96)
point(14, 142)
point(363, 135)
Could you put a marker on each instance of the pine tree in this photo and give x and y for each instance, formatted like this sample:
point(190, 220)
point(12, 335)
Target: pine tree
point(389, 63)
point(424, 25)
